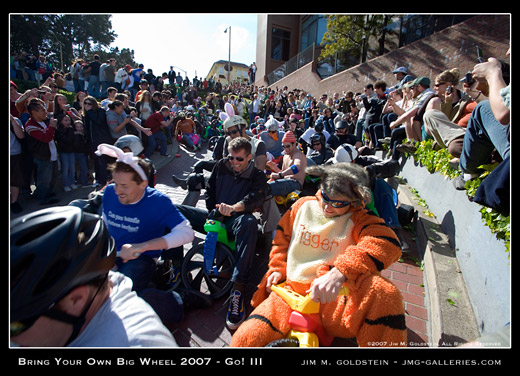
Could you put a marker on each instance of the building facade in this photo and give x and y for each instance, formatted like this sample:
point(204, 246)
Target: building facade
point(238, 72)
point(425, 44)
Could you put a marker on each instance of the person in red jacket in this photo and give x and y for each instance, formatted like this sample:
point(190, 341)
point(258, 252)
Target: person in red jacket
point(156, 122)
point(41, 143)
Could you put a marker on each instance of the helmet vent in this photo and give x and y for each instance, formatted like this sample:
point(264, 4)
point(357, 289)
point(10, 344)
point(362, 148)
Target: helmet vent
point(38, 231)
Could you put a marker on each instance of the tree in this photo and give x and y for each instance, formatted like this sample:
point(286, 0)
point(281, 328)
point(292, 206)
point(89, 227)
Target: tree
point(61, 38)
point(350, 34)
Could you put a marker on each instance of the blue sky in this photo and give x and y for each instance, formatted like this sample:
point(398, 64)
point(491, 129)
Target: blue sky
point(191, 42)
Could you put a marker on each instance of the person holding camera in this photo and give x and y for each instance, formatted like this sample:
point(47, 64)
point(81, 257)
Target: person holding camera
point(157, 122)
point(41, 143)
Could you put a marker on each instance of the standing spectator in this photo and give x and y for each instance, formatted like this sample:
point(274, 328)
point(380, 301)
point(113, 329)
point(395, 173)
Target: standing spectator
point(93, 81)
point(117, 120)
point(81, 152)
point(97, 132)
point(122, 77)
point(64, 137)
point(16, 175)
point(254, 108)
point(41, 142)
point(75, 70)
point(109, 75)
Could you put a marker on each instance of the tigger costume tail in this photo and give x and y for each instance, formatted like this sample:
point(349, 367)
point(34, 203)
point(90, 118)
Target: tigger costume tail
point(373, 312)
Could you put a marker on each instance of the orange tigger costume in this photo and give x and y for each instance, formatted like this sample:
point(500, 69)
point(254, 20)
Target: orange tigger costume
point(306, 246)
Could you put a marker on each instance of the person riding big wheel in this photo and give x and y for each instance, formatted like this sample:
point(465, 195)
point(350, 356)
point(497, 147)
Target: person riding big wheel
point(322, 243)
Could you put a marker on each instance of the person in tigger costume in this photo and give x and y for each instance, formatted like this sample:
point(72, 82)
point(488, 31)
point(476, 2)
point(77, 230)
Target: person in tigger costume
point(321, 243)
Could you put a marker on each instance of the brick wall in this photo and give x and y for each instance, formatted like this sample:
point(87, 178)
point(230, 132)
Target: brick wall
point(452, 47)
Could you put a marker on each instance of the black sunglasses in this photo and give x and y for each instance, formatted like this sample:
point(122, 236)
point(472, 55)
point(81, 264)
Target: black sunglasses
point(240, 159)
point(234, 131)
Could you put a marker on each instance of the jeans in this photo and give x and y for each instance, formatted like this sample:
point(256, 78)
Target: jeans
point(282, 187)
point(153, 140)
point(483, 134)
point(82, 161)
point(244, 228)
point(46, 173)
point(167, 304)
point(93, 86)
point(68, 169)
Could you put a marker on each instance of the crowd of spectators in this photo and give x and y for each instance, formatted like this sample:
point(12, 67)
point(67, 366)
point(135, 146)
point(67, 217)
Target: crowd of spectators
point(467, 114)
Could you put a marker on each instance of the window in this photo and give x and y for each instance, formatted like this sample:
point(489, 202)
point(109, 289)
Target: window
point(313, 29)
point(280, 43)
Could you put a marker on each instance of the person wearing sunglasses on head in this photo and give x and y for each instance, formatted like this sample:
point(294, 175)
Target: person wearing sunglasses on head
point(322, 243)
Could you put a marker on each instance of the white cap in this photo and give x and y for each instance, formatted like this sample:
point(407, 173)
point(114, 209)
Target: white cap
point(345, 153)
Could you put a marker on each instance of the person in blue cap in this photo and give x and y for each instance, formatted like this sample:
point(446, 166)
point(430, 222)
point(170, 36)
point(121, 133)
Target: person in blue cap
point(402, 76)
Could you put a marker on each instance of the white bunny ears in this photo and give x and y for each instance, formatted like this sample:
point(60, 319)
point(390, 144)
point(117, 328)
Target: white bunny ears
point(128, 158)
point(229, 112)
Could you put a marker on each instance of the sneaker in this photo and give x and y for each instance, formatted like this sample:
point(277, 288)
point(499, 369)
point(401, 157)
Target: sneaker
point(67, 189)
point(385, 140)
point(406, 148)
point(459, 183)
point(236, 312)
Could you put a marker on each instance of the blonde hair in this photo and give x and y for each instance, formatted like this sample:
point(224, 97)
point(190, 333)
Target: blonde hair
point(450, 75)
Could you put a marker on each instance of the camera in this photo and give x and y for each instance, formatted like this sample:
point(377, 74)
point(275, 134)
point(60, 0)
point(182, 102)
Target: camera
point(468, 79)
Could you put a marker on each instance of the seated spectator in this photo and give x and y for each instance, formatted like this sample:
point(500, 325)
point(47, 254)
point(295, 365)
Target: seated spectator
point(111, 96)
point(272, 137)
point(373, 110)
point(488, 129)
point(341, 135)
point(157, 122)
point(87, 304)
point(447, 114)
point(422, 91)
point(401, 75)
point(291, 175)
point(321, 152)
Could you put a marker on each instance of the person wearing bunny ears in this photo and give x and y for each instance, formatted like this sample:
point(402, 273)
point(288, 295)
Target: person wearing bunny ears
point(136, 216)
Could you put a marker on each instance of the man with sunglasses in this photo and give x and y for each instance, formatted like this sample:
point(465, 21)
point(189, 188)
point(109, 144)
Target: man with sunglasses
point(291, 175)
point(235, 188)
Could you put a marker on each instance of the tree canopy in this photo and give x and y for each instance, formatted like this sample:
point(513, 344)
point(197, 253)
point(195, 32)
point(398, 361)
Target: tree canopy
point(350, 34)
point(63, 38)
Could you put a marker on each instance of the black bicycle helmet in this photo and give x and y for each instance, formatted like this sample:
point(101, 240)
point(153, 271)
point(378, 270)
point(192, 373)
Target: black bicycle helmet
point(53, 251)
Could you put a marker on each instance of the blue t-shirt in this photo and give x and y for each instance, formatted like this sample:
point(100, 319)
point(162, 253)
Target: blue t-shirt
point(149, 218)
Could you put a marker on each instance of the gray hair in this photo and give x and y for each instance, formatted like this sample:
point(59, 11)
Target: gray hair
point(344, 179)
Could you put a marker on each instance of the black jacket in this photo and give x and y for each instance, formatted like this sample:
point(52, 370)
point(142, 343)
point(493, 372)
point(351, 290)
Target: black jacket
point(225, 186)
